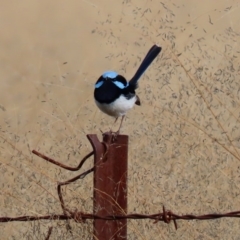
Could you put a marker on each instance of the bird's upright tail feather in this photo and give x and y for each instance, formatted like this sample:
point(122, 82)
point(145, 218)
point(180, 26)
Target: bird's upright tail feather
point(151, 55)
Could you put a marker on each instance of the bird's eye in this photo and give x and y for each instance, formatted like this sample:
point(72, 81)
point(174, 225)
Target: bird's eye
point(99, 84)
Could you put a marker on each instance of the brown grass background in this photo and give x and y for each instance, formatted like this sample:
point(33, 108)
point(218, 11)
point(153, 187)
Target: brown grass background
point(184, 139)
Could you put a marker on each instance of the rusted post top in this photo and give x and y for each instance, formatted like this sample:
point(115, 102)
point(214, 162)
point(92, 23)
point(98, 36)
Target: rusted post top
point(110, 185)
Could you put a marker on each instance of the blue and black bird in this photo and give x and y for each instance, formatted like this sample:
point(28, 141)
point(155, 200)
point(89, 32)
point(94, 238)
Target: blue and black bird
point(114, 95)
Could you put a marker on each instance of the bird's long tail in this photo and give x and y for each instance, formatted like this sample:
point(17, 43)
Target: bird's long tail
point(151, 55)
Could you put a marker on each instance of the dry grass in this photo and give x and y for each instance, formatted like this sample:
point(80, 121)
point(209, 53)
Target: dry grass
point(184, 139)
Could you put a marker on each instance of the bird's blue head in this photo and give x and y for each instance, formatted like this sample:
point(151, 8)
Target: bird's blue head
point(116, 79)
point(110, 74)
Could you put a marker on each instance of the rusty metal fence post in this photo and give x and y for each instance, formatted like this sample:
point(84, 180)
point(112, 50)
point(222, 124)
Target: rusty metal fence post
point(110, 185)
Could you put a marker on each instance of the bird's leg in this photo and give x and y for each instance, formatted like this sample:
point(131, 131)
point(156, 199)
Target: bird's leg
point(110, 129)
point(118, 131)
point(115, 120)
point(113, 124)
point(115, 134)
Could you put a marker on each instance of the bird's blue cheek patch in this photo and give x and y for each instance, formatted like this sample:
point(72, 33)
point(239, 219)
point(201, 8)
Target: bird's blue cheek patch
point(98, 84)
point(120, 84)
point(110, 74)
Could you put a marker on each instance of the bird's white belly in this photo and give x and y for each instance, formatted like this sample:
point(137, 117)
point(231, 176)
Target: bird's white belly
point(117, 108)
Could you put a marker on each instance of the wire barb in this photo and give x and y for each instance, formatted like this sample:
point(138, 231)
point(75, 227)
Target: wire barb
point(167, 217)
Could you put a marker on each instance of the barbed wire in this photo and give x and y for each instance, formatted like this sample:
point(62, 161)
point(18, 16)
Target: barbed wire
point(166, 216)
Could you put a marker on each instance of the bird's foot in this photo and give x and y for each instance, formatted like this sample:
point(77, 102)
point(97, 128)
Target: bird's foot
point(114, 135)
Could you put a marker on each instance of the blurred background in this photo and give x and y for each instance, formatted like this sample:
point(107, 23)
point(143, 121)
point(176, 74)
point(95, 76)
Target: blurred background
point(184, 147)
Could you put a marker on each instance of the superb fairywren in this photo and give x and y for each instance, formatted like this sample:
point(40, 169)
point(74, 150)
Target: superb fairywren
point(114, 95)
